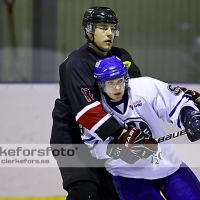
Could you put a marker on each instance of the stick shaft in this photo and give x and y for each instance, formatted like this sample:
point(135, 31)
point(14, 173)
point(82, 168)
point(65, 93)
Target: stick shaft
point(171, 136)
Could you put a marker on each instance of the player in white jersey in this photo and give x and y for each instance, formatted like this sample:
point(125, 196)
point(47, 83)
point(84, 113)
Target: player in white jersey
point(139, 165)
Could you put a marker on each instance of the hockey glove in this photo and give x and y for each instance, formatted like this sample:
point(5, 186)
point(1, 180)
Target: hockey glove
point(139, 143)
point(191, 122)
point(115, 151)
point(194, 95)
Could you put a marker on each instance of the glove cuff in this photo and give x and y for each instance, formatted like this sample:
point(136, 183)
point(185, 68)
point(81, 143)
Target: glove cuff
point(117, 133)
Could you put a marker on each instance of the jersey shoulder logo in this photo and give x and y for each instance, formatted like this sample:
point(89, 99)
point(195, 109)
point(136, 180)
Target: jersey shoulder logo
point(139, 123)
point(135, 104)
point(127, 63)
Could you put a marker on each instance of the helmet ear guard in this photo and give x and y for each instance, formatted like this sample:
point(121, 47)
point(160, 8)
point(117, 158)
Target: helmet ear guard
point(101, 86)
point(90, 27)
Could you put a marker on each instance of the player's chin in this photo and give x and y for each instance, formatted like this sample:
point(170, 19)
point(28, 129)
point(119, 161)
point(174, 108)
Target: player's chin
point(107, 47)
point(118, 97)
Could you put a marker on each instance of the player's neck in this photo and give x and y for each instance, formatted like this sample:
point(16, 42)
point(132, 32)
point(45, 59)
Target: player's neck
point(119, 106)
point(99, 52)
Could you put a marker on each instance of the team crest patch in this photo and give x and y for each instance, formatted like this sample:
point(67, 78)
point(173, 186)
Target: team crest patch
point(135, 104)
point(127, 63)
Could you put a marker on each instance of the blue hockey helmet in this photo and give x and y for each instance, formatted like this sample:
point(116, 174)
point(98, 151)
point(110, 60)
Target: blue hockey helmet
point(109, 69)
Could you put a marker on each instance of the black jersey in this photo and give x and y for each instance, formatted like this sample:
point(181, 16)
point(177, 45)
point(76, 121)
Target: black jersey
point(79, 96)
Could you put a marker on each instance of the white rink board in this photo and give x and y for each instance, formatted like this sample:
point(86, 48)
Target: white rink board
point(25, 118)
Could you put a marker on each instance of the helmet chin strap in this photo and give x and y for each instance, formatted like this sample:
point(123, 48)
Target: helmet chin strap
point(93, 42)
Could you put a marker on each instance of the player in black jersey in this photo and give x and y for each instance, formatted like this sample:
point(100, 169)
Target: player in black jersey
point(79, 100)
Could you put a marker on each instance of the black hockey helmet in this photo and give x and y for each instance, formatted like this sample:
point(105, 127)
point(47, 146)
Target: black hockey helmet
point(98, 14)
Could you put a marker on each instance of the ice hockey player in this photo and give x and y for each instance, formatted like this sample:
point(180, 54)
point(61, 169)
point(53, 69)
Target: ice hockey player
point(141, 167)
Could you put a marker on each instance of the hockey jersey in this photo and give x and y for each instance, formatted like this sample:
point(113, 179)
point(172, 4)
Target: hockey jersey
point(149, 101)
point(79, 96)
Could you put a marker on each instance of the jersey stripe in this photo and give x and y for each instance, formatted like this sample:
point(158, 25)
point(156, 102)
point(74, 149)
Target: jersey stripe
point(86, 108)
point(100, 122)
point(91, 115)
point(174, 109)
point(89, 139)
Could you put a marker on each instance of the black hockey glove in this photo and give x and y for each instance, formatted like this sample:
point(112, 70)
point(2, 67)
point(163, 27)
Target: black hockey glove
point(194, 95)
point(115, 151)
point(139, 143)
point(191, 122)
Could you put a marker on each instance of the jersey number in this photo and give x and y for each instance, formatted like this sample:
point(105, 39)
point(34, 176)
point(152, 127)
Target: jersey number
point(89, 97)
point(175, 90)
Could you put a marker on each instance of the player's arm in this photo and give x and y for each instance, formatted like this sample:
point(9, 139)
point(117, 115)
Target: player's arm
point(130, 147)
point(63, 122)
point(173, 106)
point(83, 96)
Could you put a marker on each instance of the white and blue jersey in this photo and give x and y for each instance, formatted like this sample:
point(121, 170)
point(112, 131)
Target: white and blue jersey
point(148, 102)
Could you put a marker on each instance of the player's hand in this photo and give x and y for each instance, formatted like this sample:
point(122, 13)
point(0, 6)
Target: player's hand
point(192, 94)
point(191, 122)
point(115, 151)
point(139, 143)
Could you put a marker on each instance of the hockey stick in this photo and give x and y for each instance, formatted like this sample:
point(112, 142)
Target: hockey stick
point(171, 136)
